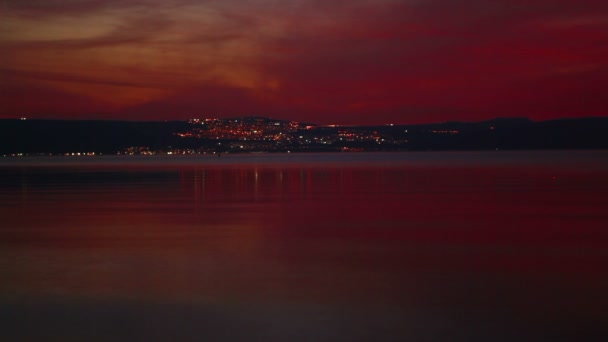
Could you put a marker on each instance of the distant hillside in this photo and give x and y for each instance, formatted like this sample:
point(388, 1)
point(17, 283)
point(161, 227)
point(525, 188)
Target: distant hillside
point(262, 134)
point(59, 136)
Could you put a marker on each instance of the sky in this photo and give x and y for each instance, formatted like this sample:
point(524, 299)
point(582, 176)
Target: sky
point(346, 62)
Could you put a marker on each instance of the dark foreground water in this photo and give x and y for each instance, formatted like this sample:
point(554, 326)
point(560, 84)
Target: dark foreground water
point(499, 246)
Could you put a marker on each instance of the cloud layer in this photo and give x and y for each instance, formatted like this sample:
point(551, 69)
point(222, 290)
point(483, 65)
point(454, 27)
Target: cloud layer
point(361, 61)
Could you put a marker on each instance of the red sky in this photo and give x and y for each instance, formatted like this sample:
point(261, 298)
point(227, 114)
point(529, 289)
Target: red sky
point(350, 62)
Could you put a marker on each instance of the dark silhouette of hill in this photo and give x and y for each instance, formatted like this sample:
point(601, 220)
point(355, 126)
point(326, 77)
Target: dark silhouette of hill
point(63, 136)
point(60, 136)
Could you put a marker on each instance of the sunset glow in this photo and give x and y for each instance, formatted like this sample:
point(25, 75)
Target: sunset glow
point(350, 62)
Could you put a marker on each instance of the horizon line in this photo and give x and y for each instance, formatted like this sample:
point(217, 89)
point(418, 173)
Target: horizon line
point(312, 123)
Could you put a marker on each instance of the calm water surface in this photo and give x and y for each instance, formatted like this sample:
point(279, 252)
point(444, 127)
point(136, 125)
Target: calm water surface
point(492, 246)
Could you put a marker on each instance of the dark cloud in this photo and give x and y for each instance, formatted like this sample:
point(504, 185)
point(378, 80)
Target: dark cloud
point(45, 8)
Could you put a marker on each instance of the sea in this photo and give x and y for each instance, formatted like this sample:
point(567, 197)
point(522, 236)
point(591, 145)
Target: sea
point(408, 246)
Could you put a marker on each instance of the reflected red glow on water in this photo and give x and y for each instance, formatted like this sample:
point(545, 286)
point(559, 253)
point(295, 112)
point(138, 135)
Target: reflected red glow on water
point(521, 243)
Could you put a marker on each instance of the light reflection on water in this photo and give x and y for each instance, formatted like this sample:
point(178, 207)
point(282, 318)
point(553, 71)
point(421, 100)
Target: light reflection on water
point(435, 246)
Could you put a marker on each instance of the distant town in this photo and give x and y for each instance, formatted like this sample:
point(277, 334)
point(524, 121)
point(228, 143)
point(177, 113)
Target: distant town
point(22, 137)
